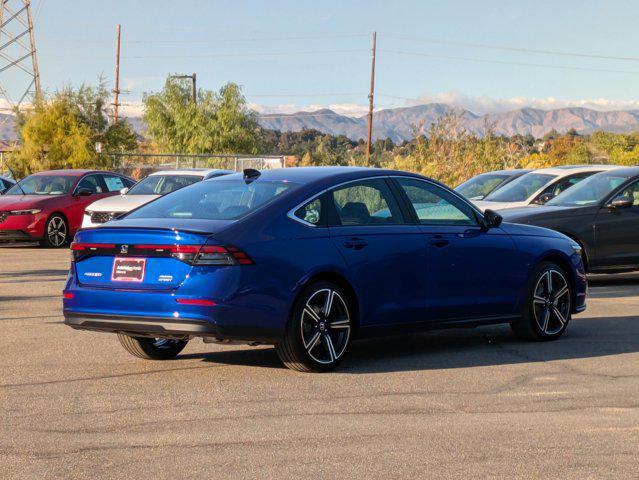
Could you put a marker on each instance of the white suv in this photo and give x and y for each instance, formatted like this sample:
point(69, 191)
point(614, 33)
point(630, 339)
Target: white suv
point(154, 186)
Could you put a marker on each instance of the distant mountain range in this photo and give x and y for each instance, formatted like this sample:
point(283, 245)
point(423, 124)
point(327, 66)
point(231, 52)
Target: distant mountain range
point(398, 123)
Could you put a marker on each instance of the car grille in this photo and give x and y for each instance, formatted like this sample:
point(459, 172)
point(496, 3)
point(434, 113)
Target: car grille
point(3, 216)
point(102, 217)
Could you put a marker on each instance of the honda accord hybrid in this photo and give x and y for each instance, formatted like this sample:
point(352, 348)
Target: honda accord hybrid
point(307, 259)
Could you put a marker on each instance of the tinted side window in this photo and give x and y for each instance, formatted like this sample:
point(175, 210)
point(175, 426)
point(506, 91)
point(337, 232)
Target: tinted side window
point(435, 206)
point(311, 212)
point(369, 202)
point(113, 183)
point(632, 192)
point(565, 183)
point(91, 182)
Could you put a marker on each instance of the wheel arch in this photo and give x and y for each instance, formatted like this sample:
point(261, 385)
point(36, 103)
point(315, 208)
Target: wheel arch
point(585, 257)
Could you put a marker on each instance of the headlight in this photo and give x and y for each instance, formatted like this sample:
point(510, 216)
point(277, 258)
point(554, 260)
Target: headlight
point(31, 211)
point(88, 212)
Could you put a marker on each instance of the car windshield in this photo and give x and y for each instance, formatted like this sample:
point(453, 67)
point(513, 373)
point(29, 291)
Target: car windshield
point(162, 184)
point(43, 185)
point(216, 200)
point(478, 187)
point(590, 191)
point(521, 188)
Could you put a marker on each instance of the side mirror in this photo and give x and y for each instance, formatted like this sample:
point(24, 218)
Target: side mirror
point(620, 202)
point(545, 198)
point(83, 192)
point(124, 190)
point(492, 219)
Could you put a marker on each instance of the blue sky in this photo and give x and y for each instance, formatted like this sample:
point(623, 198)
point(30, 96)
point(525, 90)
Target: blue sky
point(289, 55)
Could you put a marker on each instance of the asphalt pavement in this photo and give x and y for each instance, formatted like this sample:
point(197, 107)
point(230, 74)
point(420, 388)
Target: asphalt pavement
point(473, 403)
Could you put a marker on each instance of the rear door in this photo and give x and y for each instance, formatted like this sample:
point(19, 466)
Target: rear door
point(616, 232)
point(471, 272)
point(384, 253)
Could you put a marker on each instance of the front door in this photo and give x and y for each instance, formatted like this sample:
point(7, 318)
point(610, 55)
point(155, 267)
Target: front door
point(472, 272)
point(617, 233)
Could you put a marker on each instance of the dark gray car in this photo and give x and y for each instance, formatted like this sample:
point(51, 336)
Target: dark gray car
point(601, 213)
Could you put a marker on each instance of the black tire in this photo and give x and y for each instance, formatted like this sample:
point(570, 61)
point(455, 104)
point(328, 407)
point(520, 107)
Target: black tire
point(56, 232)
point(152, 348)
point(316, 340)
point(547, 311)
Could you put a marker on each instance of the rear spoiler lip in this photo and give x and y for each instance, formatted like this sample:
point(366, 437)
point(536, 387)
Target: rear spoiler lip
point(168, 229)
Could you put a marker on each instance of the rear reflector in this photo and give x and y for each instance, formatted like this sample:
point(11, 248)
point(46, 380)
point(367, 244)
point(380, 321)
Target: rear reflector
point(68, 295)
point(200, 302)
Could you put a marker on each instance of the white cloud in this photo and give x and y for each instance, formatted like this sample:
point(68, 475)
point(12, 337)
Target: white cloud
point(484, 104)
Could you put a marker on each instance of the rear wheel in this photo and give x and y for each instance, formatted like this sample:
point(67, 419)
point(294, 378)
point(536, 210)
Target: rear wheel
point(152, 348)
point(548, 305)
point(56, 232)
point(319, 330)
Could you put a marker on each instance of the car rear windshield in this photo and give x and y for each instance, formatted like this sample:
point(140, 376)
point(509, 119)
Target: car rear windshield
point(215, 200)
point(590, 191)
point(43, 185)
point(162, 184)
point(520, 189)
point(478, 187)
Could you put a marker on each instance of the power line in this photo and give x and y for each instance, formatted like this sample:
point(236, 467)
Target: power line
point(505, 62)
point(260, 54)
point(514, 49)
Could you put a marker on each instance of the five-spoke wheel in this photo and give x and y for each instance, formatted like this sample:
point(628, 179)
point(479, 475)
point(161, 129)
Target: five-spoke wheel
point(547, 310)
point(56, 232)
point(319, 330)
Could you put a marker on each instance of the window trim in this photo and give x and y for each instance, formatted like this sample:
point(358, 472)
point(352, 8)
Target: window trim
point(627, 184)
point(399, 195)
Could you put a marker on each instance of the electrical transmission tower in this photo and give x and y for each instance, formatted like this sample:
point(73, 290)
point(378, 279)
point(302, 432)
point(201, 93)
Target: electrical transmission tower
point(19, 76)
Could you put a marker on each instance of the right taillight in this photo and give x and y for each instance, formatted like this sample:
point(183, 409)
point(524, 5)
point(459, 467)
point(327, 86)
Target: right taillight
point(211, 255)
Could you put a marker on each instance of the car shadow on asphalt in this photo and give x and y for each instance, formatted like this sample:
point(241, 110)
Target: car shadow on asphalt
point(462, 348)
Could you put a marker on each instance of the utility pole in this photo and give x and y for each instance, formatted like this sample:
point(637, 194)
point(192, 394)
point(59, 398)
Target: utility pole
point(116, 89)
point(370, 101)
point(17, 46)
point(193, 78)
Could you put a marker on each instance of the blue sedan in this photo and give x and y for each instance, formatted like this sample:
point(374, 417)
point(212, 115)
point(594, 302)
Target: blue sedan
point(307, 259)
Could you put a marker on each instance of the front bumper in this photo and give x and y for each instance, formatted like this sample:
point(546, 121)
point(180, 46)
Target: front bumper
point(15, 236)
point(22, 228)
point(141, 326)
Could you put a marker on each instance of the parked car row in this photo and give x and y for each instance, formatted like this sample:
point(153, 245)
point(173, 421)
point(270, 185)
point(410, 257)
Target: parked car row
point(50, 207)
point(596, 205)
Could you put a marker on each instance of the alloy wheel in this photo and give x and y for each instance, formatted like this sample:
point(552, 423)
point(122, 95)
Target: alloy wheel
point(325, 326)
point(551, 302)
point(57, 231)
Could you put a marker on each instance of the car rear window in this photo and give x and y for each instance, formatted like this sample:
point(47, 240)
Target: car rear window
point(215, 200)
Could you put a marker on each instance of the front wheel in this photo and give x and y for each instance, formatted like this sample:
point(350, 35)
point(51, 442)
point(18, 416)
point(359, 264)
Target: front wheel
point(319, 330)
point(152, 348)
point(56, 232)
point(548, 305)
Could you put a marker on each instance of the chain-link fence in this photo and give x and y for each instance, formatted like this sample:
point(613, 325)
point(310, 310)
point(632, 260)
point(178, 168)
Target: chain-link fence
point(139, 165)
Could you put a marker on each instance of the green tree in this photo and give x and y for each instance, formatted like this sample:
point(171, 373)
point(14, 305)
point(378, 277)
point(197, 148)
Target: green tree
point(219, 122)
point(61, 132)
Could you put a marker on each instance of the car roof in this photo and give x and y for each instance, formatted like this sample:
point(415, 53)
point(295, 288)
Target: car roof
point(627, 171)
point(512, 171)
point(70, 172)
point(199, 172)
point(565, 170)
point(306, 175)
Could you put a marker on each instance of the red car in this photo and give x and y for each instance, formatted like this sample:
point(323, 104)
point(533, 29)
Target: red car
point(48, 206)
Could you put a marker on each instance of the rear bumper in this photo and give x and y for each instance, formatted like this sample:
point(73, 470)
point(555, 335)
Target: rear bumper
point(141, 326)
